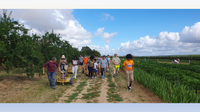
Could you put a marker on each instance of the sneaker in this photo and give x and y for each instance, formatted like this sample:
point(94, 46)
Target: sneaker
point(104, 77)
point(114, 75)
point(53, 88)
point(129, 89)
point(95, 77)
point(130, 86)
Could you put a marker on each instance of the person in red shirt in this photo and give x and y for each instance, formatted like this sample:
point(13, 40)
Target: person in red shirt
point(51, 71)
point(128, 66)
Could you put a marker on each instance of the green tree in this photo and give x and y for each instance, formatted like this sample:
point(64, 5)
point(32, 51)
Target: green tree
point(21, 50)
point(96, 53)
point(86, 51)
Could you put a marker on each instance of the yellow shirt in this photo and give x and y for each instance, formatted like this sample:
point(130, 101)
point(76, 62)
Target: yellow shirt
point(128, 65)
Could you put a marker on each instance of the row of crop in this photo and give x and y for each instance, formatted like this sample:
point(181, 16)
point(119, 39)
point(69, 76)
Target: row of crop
point(164, 89)
point(191, 68)
point(170, 74)
point(192, 57)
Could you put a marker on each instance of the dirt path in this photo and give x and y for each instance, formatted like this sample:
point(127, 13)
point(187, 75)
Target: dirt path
point(103, 96)
point(79, 98)
point(68, 92)
point(20, 89)
point(109, 90)
point(139, 93)
point(172, 62)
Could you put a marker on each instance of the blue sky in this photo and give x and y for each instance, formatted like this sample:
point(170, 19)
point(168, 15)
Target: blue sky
point(131, 24)
point(141, 32)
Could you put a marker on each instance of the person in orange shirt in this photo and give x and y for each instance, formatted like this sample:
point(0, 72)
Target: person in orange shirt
point(85, 60)
point(128, 67)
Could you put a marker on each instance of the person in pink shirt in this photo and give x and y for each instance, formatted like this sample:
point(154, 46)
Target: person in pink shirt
point(51, 71)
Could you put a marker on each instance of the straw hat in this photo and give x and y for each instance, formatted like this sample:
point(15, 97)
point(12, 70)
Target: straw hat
point(63, 56)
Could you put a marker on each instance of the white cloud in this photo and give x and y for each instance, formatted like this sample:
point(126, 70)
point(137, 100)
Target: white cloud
point(166, 43)
point(103, 50)
point(104, 35)
point(191, 34)
point(61, 21)
point(107, 16)
point(99, 32)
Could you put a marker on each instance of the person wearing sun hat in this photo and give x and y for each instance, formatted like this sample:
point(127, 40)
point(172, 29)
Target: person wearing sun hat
point(63, 63)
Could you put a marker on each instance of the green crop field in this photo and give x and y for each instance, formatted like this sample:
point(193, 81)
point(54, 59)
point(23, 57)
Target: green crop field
point(171, 82)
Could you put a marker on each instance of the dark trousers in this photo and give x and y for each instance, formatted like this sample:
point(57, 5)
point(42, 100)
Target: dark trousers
point(62, 67)
point(90, 71)
point(103, 72)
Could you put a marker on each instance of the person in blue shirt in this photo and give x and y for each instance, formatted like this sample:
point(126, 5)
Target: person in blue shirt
point(108, 60)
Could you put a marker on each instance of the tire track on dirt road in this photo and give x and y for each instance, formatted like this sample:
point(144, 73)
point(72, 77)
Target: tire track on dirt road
point(79, 97)
point(123, 96)
point(68, 92)
point(103, 95)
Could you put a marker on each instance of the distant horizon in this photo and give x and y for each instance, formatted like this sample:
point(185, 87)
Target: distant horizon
point(161, 55)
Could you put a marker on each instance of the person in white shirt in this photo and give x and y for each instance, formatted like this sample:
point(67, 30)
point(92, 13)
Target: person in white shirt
point(175, 62)
point(75, 66)
point(95, 69)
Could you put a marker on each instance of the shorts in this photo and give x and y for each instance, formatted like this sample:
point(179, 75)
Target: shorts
point(94, 70)
point(115, 68)
point(80, 63)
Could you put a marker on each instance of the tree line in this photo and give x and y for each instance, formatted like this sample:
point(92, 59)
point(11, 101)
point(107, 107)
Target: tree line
point(18, 49)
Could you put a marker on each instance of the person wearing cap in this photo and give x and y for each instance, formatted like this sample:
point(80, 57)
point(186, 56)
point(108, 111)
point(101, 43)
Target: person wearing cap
point(51, 71)
point(63, 63)
point(85, 65)
point(115, 61)
point(103, 66)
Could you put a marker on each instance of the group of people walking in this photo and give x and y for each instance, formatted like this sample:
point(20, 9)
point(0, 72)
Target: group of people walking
point(94, 66)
